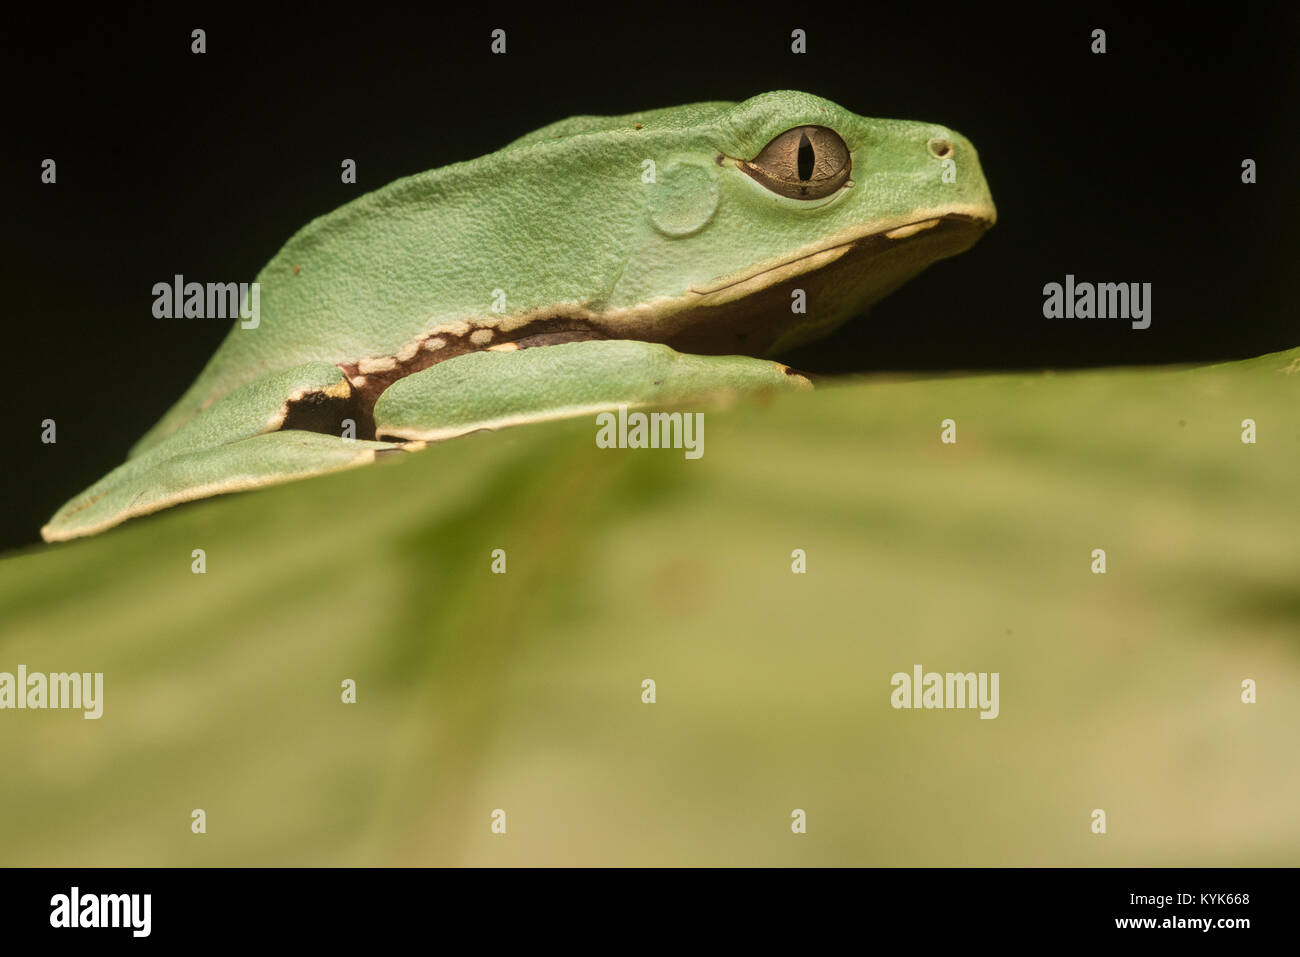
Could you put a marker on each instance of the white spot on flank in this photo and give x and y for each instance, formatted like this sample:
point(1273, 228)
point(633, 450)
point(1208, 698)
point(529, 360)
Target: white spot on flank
point(386, 364)
point(457, 328)
point(511, 323)
point(434, 344)
point(481, 337)
point(359, 381)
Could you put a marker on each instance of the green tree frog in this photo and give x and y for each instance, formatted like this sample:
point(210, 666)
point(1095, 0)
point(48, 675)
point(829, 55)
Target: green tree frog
point(650, 259)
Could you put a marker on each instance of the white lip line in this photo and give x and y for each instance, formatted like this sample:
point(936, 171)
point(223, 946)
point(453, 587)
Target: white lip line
point(935, 220)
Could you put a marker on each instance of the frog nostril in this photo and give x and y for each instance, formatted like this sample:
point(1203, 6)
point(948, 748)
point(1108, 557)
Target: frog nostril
point(940, 147)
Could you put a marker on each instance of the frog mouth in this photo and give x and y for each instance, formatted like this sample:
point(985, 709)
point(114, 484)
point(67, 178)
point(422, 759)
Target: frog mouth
point(973, 221)
point(750, 313)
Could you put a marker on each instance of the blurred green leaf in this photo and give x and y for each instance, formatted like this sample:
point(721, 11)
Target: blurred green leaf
point(523, 691)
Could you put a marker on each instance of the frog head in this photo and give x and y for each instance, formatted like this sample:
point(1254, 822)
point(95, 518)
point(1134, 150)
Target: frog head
point(770, 222)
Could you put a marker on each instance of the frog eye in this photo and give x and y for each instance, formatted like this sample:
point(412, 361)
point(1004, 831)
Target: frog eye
point(807, 162)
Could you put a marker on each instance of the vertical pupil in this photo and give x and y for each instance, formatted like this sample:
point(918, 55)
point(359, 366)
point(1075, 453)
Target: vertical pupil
point(806, 156)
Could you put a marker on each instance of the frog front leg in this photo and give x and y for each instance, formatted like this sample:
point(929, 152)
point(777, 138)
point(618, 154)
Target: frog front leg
point(509, 386)
point(281, 426)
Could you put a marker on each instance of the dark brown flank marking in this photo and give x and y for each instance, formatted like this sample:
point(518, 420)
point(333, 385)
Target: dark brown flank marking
point(317, 412)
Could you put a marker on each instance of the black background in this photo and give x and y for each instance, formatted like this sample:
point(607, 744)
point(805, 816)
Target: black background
point(1122, 167)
